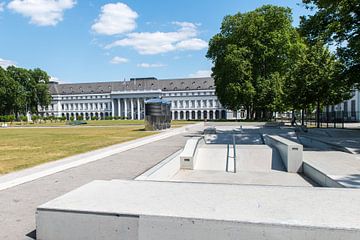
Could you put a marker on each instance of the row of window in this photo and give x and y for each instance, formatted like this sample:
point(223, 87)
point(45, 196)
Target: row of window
point(84, 106)
point(166, 94)
point(85, 97)
point(195, 103)
point(189, 94)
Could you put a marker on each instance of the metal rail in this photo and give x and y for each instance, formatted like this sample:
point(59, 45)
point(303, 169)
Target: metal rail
point(228, 155)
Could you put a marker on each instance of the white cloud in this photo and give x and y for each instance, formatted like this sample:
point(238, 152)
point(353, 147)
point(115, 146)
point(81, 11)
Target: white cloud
point(115, 18)
point(201, 73)
point(149, 43)
point(151, 65)
point(2, 4)
point(42, 12)
point(192, 44)
point(118, 60)
point(6, 63)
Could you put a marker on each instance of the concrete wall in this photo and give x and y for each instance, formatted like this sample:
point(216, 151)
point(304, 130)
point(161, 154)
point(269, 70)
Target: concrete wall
point(164, 170)
point(291, 152)
point(319, 177)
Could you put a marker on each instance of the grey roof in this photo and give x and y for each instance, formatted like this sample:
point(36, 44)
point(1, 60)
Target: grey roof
point(133, 85)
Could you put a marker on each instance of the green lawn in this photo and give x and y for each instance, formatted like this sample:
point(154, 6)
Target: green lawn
point(25, 147)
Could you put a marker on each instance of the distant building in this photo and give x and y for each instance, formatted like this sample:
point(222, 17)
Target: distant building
point(191, 98)
point(349, 109)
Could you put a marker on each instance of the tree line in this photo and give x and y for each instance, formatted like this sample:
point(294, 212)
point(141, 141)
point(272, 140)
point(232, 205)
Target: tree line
point(23, 90)
point(264, 64)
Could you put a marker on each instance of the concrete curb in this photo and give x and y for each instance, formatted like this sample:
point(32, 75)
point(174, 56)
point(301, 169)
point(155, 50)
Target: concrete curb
point(43, 170)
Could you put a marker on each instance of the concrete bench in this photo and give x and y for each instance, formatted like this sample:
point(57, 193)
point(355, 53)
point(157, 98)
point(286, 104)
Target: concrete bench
point(187, 157)
point(291, 152)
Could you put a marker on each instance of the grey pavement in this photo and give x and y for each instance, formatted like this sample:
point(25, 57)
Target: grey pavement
point(18, 204)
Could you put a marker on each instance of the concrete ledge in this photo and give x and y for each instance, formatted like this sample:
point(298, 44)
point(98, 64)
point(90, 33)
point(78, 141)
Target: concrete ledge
point(162, 210)
point(164, 170)
point(187, 156)
point(291, 152)
point(319, 177)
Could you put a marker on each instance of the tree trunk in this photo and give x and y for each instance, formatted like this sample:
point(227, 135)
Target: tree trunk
point(303, 117)
point(318, 114)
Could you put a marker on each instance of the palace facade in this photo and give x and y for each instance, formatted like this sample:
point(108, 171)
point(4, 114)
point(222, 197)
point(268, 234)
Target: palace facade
point(191, 98)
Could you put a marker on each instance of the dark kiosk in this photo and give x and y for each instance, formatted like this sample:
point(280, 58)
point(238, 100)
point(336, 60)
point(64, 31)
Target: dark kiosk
point(157, 114)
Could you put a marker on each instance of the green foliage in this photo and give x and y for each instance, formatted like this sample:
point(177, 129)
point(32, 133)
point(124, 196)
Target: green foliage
point(316, 78)
point(72, 118)
point(23, 118)
point(80, 118)
point(94, 118)
point(23, 90)
point(35, 118)
point(337, 23)
point(109, 118)
point(251, 58)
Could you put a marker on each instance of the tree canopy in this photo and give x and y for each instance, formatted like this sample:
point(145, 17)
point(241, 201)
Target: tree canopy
point(23, 90)
point(263, 63)
point(251, 55)
point(336, 23)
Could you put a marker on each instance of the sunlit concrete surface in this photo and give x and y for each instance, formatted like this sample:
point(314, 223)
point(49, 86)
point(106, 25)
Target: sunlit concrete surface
point(340, 167)
point(166, 210)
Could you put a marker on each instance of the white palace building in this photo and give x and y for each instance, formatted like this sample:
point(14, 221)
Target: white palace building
point(191, 98)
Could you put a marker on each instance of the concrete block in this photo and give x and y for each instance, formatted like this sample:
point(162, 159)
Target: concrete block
point(187, 157)
point(162, 210)
point(60, 225)
point(291, 152)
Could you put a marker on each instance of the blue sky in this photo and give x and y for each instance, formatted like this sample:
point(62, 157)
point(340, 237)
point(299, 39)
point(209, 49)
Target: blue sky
point(94, 41)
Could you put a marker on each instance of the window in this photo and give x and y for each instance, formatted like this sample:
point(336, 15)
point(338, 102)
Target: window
point(353, 112)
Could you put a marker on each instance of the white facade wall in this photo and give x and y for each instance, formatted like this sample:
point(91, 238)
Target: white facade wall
point(351, 107)
point(185, 105)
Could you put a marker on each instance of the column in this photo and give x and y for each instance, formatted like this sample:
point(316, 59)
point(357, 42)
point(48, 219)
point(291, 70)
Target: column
point(119, 107)
point(125, 108)
point(132, 108)
point(138, 109)
point(202, 114)
point(112, 108)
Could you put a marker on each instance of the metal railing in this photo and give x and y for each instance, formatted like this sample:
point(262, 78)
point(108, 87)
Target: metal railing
point(228, 155)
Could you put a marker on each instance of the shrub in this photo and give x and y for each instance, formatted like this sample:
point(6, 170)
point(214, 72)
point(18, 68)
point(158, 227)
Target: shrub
point(72, 118)
point(23, 118)
point(34, 118)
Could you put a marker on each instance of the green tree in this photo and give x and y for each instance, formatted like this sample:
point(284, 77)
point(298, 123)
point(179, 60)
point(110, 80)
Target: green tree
point(12, 94)
point(34, 86)
point(336, 22)
point(251, 56)
point(315, 80)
